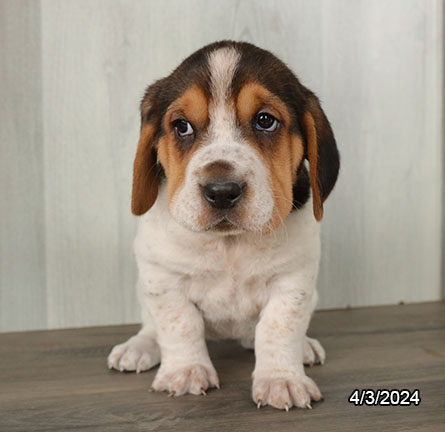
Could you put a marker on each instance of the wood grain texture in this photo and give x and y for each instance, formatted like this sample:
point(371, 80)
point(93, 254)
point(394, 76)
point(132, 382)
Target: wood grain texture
point(58, 380)
point(22, 257)
point(375, 65)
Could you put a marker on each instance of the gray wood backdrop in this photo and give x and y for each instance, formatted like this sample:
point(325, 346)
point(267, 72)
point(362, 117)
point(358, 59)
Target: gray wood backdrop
point(72, 73)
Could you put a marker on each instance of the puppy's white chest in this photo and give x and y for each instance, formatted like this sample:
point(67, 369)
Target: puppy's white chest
point(231, 296)
point(227, 278)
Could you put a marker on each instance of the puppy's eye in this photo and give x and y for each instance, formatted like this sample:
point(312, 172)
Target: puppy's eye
point(266, 122)
point(183, 128)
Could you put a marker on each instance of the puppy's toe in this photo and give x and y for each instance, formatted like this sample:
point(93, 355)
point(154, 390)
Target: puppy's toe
point(303, 392)
point(279, 395)
point(129, 360)
point(146, 362)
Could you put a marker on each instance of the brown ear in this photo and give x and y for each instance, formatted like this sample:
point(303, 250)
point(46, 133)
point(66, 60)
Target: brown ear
point(145, 183)
point(322, 154)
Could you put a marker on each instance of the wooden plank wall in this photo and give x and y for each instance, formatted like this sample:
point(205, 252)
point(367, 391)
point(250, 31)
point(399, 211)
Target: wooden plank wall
point(22, 217)
point(75, 72)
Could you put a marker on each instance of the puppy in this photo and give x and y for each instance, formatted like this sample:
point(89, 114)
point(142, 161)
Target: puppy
point(230, 247)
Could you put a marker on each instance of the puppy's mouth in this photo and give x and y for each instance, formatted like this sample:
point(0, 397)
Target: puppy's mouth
point(224, 225)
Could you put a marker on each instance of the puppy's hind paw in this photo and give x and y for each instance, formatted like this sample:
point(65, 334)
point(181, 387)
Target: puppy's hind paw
point(313, 352)
point(138, 354)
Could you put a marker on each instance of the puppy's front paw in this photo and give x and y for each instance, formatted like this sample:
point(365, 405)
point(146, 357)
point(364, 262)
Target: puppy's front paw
point(313, 352)
point(138, 354)
point(284, 393)
point(194, 379)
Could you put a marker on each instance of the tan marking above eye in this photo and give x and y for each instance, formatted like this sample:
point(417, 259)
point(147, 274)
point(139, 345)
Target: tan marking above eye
point(254, 98)
point(191, 106)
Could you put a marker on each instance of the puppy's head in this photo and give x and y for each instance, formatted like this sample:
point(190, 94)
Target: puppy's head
point(228, 131)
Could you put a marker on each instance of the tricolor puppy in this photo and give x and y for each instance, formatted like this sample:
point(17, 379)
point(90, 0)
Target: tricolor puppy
point(228, 240)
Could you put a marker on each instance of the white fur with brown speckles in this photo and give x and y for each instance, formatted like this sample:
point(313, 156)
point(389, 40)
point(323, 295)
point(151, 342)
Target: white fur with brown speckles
point(260, 289)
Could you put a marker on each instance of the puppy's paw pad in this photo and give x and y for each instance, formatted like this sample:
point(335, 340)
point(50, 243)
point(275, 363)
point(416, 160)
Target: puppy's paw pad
point(284, 393)
point(194, 379)
point(137, 354)
point(313, 352)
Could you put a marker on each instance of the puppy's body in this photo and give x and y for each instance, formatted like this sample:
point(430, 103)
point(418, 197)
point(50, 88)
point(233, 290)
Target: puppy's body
point(228, 278)
point(220, 253)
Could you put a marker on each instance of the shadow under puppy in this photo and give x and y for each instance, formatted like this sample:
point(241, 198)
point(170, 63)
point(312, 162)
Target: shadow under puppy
point(230, 247)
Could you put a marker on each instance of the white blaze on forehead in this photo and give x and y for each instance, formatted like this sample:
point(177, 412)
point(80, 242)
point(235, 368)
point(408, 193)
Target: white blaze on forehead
point(222, 67)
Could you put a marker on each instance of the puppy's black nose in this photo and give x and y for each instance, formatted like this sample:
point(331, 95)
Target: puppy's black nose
point(222, 195)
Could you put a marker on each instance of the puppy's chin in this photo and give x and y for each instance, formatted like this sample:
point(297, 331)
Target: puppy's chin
point(224, 226)
point(221, 226)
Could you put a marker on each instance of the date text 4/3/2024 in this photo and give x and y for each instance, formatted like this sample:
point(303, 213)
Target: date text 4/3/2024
point(384, 397)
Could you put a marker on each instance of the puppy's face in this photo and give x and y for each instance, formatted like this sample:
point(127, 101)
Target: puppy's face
point(230, 128)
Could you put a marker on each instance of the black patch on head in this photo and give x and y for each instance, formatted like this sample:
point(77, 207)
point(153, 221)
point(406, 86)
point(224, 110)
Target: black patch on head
point(159, 96)
point(258, 65)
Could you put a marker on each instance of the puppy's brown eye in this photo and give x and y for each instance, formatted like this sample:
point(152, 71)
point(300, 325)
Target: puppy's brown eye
point(183, 128)
point(266, 122)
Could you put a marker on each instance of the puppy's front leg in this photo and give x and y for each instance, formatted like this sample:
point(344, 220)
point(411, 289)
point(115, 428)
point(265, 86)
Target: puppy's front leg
point(279, 379)
point(185, 363)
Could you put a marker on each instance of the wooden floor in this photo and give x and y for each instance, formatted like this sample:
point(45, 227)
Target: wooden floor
point(58, 380)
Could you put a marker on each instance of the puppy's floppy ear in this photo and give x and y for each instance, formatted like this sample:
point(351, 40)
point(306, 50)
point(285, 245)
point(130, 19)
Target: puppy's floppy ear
point(145, 170)
point(321, 152)
point(145, 183)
